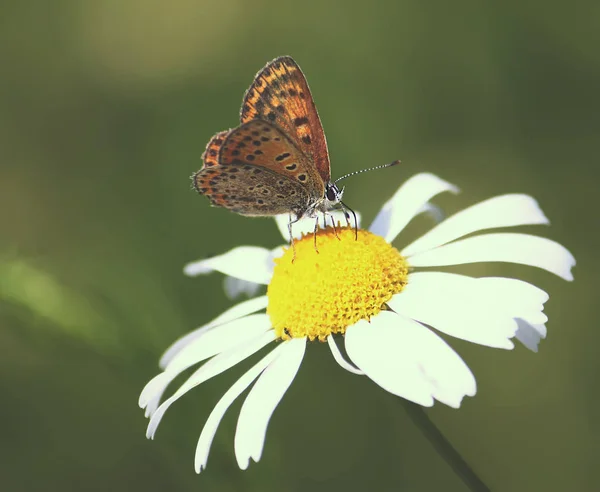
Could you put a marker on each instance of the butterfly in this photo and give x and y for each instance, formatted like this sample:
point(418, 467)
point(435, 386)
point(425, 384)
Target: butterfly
point(276, 161)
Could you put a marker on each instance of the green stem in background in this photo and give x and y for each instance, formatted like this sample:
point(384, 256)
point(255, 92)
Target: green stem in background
point(450, 455)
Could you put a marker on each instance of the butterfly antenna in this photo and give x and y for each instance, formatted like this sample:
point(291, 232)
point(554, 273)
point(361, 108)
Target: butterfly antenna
point(368, 169)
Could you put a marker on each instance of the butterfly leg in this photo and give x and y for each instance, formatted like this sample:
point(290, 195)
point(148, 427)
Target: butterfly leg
point(346, 216)
point(347, 209)
point(290, 222)
point(333, 226)
point(315, 233)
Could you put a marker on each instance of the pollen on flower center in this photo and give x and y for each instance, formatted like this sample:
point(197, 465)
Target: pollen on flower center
point(324, 292)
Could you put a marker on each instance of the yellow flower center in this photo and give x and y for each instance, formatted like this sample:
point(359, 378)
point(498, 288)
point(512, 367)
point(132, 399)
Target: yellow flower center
point(325, 292)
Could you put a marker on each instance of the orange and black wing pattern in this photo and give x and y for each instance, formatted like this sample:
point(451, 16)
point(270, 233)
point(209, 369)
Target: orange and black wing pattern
point(211, 154)
point(280, 96)
point(261, 144)
point(257, 170)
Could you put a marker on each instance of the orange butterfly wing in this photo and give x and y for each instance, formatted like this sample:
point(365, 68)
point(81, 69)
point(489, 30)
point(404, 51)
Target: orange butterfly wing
point(211, 154)
point(256, 170)
point(261, 144)
point(280, 95)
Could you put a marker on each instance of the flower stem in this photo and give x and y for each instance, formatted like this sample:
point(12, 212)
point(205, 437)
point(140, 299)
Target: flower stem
point(450, 455)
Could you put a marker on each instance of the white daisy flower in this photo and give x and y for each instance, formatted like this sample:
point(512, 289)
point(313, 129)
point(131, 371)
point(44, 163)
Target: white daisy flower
point(373, 294)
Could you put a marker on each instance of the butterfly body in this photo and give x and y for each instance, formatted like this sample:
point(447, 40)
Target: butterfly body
point(276, 161)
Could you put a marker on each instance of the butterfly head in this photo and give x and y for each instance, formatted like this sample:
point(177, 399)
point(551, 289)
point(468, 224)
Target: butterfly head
point(333, 195)
point(330, 199)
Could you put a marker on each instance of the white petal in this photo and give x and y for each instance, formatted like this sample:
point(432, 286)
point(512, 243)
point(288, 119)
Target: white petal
point(282, 224)
point(220, 339)
point(506, 247)
point(407, 202)
point(456, 305)
point(264, 397)
point(215, 417)
point(518, 298)
point(214, 366)
point(529, 334)
point(337, 355)
point(410, 360)
point(235, 287)
point(514, 289)
point(306, 225)
point(151, 403)
point(500, 211)
point(536, 317)
point(238, 311)
point(245, 262)
point(435, 212)
point(450, 378)
point(384, 361)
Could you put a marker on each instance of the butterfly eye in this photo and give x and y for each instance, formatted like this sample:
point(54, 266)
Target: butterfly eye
point(332, 192)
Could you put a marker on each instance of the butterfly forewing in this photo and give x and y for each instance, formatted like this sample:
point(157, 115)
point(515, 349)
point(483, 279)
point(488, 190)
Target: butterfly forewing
point(280, 95)
point(260, 144)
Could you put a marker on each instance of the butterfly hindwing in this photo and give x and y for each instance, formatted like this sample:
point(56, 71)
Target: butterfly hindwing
point(251, 190)
point(211, 154)
point(280, 95)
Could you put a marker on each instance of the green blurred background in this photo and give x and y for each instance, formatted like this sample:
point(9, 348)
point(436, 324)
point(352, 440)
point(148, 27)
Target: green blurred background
point(105, 109)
